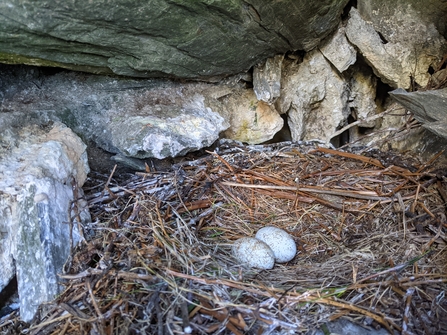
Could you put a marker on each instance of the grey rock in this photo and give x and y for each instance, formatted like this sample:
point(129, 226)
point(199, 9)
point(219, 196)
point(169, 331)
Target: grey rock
point(267, 79)
point(188, 39)
point(165, 131)
point(431, 12)
point(315, 98)
point(38, 170)
point(136, 118)
point(363, 86)
point(428, 107)
point(139, 118)
point(338, 50)
point(396, 40)
point(131, 163)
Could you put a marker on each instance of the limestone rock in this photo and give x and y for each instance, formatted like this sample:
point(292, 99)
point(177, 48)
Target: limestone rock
point(315, 98)
point(338, 50)
point(188, 39)
point(396, 41)
point(251, 121)
point(267, 79)
point(38, 168)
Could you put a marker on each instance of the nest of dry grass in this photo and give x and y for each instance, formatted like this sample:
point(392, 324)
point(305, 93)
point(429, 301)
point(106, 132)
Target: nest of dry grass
point(370, 229)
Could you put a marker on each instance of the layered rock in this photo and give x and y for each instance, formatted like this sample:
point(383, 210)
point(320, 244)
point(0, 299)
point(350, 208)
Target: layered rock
point(41, 172)
point(338, 51)
point(188, 39)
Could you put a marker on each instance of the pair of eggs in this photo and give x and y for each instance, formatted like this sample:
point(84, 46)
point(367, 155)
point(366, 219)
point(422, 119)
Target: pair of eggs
point(270, 244)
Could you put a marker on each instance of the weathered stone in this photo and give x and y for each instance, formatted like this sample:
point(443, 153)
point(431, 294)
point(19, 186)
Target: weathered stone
point(189, 39)
point(395, 41)
point(395, 131)
point(6, 242)
point(338, 50)
point(428, 107)
point(137, 118)
point(140, 118)
point(267, 79)
point(39, 167)
point(430, 12)
point(252, 121)
point(315, 98)
point(165, 131)
point(362, 87)
point(439, 78)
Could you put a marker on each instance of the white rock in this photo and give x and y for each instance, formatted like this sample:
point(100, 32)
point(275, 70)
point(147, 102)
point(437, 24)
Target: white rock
point(149, 118)
point(37, 167)
point(281, 243)
point(363, 87)
point(254, 253)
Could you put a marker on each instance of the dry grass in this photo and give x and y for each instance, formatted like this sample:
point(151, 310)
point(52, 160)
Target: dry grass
point(371, 240)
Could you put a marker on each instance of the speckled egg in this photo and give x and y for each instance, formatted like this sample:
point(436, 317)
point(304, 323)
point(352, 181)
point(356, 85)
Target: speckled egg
point(281, 243)
point(254, 253)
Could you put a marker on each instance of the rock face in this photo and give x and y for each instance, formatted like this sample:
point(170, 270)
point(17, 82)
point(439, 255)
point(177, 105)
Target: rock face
point(363, 86)
point(39, 167)
point(398, 42)
point(188, 39)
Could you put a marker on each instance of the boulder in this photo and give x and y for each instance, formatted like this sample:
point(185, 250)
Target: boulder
point(315, 98)
point(400, 44)
point(187, 39)
point(140, 118)
point(41, 168)
point(165, 131)
point(430, 12)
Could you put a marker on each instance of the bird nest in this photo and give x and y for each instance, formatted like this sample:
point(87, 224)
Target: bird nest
point(369, 228)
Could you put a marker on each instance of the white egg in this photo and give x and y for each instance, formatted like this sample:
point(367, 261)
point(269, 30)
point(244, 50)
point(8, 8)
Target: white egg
point(254, 253)
point(281, 243)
